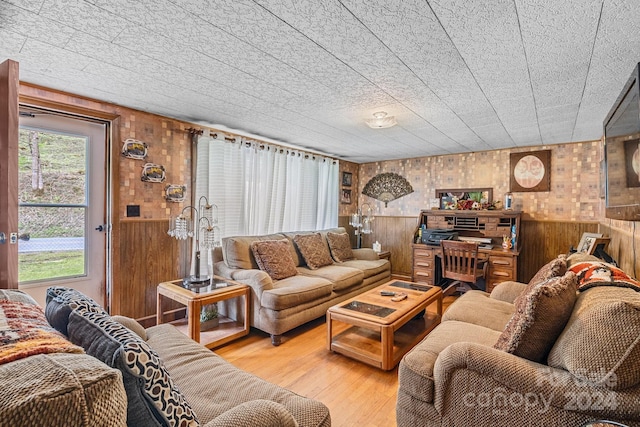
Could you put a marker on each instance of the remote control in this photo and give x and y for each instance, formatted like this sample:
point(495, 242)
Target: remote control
point(387, 293)
point(399, 297)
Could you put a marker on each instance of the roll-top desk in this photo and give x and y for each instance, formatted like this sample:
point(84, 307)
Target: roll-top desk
point(503, 263)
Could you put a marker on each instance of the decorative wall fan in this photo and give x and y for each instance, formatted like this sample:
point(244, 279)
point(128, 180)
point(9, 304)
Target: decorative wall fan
point(386, 187)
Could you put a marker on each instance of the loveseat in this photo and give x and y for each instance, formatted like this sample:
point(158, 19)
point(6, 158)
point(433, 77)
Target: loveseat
point(561, 350)
point(296, 276)
point(99, 370)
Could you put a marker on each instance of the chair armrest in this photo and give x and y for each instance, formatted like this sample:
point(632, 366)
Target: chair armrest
point(496, 379)
point(255, 413)
point(507, 291)
point(365, 253)
point(257, 279)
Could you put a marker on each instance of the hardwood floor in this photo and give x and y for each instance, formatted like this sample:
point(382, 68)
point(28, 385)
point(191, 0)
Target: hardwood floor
point(355, 393)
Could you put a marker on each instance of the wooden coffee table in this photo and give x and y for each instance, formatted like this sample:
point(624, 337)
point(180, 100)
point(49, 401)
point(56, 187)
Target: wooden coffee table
point(379, 331)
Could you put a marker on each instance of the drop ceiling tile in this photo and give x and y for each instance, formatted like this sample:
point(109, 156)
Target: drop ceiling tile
point(34, 26)
point(84, 17)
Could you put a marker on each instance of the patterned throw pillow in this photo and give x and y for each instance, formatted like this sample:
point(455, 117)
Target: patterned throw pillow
point(340, 246)
point(598, 273)
point(274, 257)
point(539, 318)
point(62, 301)
point(153, 399)
point(313, 249)
point(555, 268)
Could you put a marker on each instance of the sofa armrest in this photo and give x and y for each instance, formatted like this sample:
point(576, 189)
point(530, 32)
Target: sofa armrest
point(255, 413)
point(508, 291)
point(492, 380)
point(365, 253)
point(257, 279)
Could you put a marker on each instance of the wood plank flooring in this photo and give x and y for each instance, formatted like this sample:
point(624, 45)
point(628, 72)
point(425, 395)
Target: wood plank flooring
point(355, 393)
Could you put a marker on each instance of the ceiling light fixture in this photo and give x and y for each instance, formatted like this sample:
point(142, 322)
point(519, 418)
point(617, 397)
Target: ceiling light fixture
point(381, 120)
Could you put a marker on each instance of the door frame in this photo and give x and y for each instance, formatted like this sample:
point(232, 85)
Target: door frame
point(9, 90)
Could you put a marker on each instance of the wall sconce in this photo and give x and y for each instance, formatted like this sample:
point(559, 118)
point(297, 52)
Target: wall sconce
point(183, 227)
point(361, 223)
point(381, 120)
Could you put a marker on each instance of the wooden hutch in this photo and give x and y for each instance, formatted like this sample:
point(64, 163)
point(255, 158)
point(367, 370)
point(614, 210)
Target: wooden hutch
point(488, 224)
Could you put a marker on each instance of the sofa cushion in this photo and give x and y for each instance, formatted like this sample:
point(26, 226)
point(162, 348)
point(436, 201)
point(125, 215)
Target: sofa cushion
point(340, 246)
point(214, 386)
point(416, 369)
point(314, 250)
point(600, 343)
point(153, 399)
point(340, 276)
point(368, 267)
point(598, 273)
point(478, 308)
point(554, 268)
point(539, 318)
point(293, 291)
point(62, 389)
point(274, 257)
point(236, 250)
point(24, 331)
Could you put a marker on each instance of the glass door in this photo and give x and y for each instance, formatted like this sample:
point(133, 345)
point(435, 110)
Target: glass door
point(61, 204)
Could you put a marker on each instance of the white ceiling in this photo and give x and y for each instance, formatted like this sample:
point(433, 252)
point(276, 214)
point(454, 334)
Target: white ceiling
point(459, 75)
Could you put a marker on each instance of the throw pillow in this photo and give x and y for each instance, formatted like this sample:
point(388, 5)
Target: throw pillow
point(132, 325)
point(153, 399)
point(556, 267)
point(598, 273)
point(274, 258)
point(62, 301)
point(314, 250)
point(340, 246)
point(24, 331)
point(539, 318)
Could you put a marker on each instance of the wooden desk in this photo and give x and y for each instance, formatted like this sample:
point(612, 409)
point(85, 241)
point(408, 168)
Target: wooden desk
point(503, 264)
point(228, 329)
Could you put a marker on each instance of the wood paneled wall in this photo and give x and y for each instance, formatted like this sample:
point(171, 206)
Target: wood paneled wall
point(625, 244)
point(541, 241)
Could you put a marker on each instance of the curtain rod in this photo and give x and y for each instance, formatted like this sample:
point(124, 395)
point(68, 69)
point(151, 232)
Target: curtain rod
point(262, 144)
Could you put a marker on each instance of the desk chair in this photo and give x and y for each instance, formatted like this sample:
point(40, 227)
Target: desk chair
point(461, 265)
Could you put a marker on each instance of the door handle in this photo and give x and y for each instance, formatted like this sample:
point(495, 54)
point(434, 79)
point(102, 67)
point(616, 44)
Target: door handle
point(102, 227)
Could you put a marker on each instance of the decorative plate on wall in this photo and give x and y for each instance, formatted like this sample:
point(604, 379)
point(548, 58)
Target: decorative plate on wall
point(531, 171)
point(175, 192)
point(153, 173)
point(134, 149)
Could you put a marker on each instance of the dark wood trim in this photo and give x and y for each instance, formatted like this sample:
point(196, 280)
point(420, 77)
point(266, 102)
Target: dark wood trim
point(9, 89)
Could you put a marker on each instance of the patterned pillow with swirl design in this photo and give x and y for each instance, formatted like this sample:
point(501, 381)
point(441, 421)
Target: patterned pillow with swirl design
point(62, 301)
point(153, 398)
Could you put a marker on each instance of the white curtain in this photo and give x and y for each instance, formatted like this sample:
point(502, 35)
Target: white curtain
point(261, 188)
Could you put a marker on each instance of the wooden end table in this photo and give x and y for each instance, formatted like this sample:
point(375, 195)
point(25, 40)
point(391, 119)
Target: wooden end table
point(382, 331)
point(227, 330)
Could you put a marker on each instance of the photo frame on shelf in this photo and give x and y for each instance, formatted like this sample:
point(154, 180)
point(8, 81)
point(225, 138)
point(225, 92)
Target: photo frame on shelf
point(464, 198)
point(346, 179)
point(587, 241)
point(345, 196)
point(530, 171)
point(598, 241)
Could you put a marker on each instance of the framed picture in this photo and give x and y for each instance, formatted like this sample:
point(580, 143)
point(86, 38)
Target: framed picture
point(346, 179)
point(465, 198)
point(346, 196)
point(531, 171)
point(632, 156)
point(598, 241)
point(587, 241)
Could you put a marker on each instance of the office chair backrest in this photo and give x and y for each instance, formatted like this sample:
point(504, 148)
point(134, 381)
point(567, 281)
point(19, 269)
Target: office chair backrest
point(460, 260)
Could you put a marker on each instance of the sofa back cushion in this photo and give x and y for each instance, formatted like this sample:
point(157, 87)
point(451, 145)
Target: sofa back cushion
point(539, 318)
point(601, 341)
point(236, 250)
point(340, 246)
point(314, 250)
point(274, 257)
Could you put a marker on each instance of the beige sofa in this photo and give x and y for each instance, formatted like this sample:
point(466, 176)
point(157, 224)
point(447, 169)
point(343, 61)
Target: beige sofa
point(588, 370)
point(101, 382)
point(278, 306)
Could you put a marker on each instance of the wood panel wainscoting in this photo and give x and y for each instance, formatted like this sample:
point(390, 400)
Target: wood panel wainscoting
point(540, 241)
point(624, 246)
